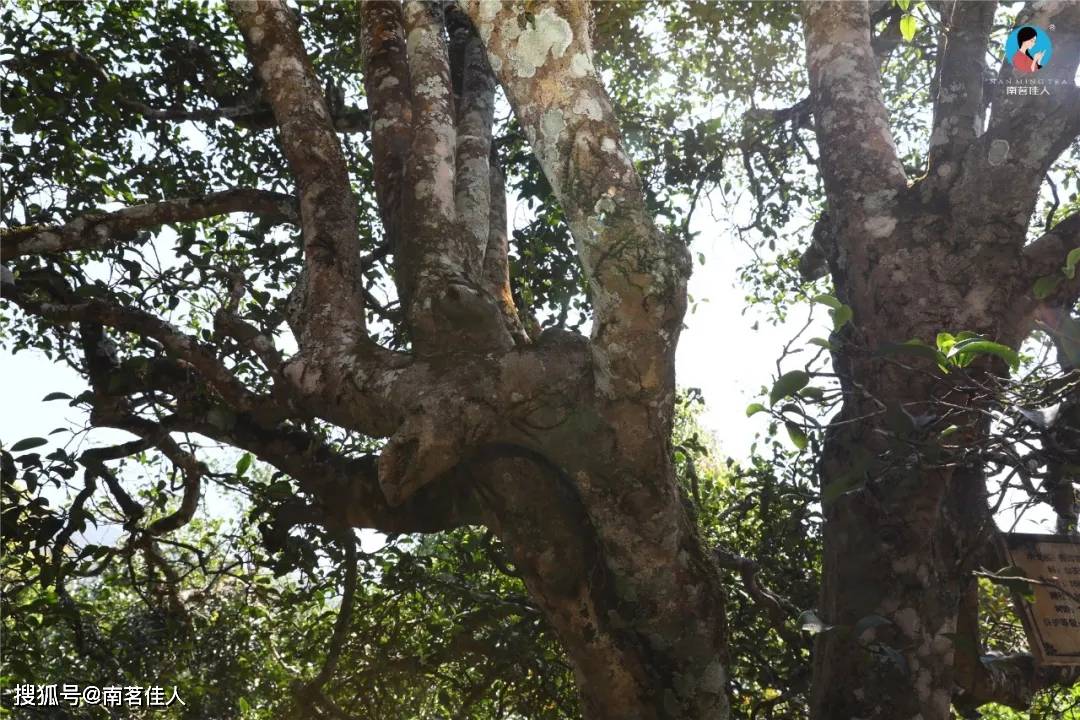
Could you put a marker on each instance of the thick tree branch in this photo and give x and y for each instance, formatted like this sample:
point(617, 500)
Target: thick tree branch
point(1046, 258)
point(858, 158)
point(331, 297)
point(441, 255)
point(101, 230)
point(542, 55)
point(548, 531)
point(346, 489)
point(386, 83)
point(800, 115)
point(959, 106)
point(474, 105)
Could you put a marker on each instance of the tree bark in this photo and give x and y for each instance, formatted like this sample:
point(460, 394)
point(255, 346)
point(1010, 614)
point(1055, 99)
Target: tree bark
point(905, 513)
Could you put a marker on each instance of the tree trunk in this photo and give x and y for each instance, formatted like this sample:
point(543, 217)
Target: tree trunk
point(635, 656)
point(905, 514)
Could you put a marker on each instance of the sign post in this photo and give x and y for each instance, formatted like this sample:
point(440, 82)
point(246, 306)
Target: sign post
point(1052, 621)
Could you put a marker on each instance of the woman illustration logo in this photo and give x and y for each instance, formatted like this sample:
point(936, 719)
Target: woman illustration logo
point(1028, 48)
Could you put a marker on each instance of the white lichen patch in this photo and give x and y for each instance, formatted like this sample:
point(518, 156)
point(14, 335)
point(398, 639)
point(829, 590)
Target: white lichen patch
point(880, 226)
point(487, 11)
point(585, 104)
point(551, 125)
point(547, 33)
point(713, 680)
point(432, 88)
point(998, 153)
point(877, 203)
point(580, 65)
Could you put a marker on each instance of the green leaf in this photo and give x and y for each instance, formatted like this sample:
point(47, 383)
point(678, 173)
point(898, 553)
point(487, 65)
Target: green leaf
point(788, 384)
point(949, 431)
point(841, 316)
point(28, 443)
point(966, 350)
point(23, 124)
point(945, 341)
point(820, 342)
point(280, 490)
point(908, 26)
point(1046, 285)
point(812, 393)
point(904, 5)
point(56, 396)
point(1071, 261)
point(828, 300)
point(754, 408)
point(243, 464)
point(798, 437)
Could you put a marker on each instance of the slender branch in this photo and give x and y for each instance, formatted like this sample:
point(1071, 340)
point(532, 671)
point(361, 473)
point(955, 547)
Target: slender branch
point(254, 114)
point(95, 459)
point(496, 274)
point(778, 610)
point(101, 230)
point(176, 343)
point(193, 471)
point(1010, 680)
point(344, 618)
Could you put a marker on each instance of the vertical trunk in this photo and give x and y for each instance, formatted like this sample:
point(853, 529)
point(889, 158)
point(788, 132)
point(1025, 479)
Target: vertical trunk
point(627, 666)
point(897, 556)
point(905, 511)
